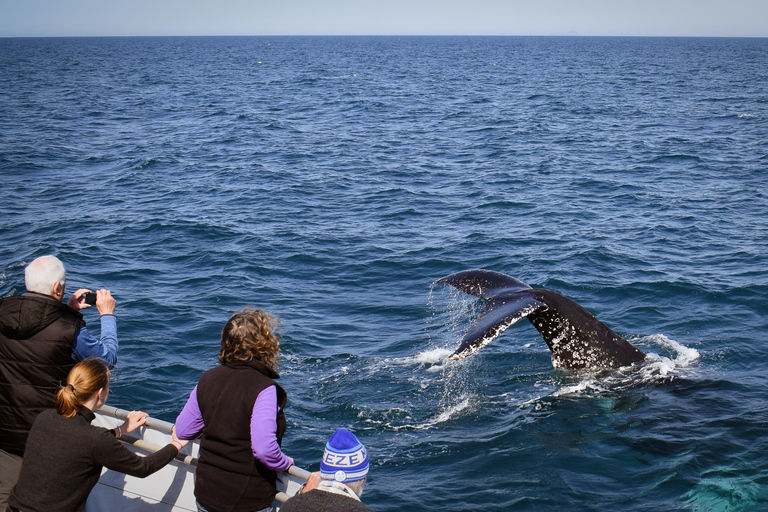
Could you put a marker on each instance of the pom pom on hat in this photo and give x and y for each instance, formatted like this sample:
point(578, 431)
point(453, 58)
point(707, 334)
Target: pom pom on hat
point(345, 459)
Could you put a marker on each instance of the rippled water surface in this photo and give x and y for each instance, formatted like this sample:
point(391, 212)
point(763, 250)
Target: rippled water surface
point(332, 180)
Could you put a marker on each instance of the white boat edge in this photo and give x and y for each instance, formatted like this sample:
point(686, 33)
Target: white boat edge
point(170, 489)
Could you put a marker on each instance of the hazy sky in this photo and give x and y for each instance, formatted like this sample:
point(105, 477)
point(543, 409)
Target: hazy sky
point(738, 18)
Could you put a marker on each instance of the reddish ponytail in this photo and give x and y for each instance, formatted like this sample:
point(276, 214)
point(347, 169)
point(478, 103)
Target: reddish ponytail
point(84, 380)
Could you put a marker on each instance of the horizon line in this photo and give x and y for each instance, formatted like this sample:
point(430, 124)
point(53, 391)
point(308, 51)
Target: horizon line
point(96, 36)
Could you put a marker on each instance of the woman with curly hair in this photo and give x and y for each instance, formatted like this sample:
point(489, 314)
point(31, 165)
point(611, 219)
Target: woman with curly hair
point(236, 410)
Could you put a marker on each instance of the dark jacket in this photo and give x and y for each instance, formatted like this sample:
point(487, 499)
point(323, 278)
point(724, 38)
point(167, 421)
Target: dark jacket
point(228, 477)
point(65, 456)
point(322, 501)
point(36, 337)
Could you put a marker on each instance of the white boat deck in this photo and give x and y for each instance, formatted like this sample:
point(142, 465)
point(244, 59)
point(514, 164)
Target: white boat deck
point(171, 489)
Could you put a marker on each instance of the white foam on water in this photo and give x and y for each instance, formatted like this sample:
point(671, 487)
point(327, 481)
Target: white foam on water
point(449, 412)
point(434, 359)
point(442, 416)
point(434, 356)
point(655, 368)
point(432, 369)
point(587, 385)
point(680, 356)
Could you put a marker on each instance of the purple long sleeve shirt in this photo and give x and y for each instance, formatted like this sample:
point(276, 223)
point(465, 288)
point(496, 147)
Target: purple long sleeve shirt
point(189, 425)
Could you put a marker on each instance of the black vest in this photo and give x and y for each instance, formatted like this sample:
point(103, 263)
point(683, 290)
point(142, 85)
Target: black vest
point(228, 477)
point(36, 337)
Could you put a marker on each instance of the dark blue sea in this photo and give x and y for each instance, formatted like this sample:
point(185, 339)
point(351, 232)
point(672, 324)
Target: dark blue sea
point(332, 180)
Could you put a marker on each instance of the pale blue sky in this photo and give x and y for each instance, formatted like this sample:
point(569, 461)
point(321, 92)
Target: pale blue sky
point(733, 18)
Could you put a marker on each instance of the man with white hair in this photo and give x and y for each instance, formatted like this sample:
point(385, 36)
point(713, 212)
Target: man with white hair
point(338, 485)
point(41, 338)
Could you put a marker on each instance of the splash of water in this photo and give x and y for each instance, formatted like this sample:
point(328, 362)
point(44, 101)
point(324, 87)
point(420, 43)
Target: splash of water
point(441, 416)
point(681, 356)
point(448, 380)
point(655, 368)
point(434, 356)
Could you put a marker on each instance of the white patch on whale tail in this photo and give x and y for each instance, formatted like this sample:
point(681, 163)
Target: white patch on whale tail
point(655, 368)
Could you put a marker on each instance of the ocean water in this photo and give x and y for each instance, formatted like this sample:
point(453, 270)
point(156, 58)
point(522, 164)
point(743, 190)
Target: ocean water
point(331, 181)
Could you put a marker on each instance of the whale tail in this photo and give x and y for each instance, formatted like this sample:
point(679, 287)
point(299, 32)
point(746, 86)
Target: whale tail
point(576, 339)
point(484, 284)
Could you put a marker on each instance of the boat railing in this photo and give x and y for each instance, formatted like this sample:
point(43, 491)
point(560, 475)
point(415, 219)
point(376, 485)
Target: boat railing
point(189, 460)
point(296, 471)
point(141, 444)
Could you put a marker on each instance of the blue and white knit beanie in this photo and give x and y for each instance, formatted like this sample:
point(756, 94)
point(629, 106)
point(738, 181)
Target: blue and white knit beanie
point(345, 459)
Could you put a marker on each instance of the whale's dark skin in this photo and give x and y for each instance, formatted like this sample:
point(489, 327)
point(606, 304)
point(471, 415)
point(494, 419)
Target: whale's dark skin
point(576, 339)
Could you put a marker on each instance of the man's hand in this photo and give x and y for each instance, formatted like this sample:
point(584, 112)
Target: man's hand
point(312, 482)
point(76, 301)
point(105, 303)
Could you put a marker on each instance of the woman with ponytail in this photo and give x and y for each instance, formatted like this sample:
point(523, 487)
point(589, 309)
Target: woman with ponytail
point(65, 454)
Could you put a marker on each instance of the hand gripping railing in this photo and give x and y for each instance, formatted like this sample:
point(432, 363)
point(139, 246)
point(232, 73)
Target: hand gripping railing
point(161, 425)
point(294, 471)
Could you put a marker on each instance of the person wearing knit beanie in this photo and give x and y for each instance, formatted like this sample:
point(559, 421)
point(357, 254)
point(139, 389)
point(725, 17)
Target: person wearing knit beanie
point(344, 459)
point(338, 485)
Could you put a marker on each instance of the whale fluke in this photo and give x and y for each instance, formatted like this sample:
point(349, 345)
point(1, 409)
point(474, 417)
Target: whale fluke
point(483, 283)
point(576, 339)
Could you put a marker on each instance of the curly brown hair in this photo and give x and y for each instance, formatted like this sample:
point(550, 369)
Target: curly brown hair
point(248, 335)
